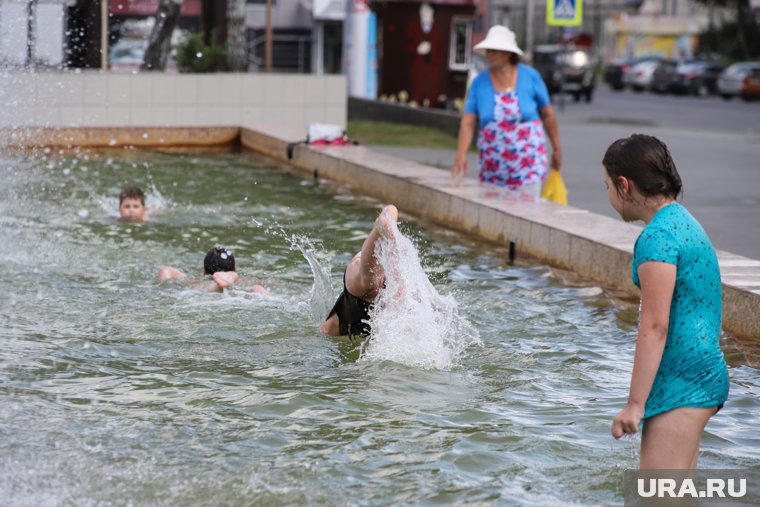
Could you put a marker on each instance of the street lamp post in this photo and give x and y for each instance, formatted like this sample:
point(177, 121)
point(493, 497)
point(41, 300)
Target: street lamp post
point(268, 38)
point(104, 34)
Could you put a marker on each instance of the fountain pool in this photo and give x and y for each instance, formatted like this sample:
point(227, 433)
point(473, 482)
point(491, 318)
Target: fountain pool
point(118, 391)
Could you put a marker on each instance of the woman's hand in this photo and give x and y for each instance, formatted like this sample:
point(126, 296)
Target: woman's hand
point(627, 421)
point(459, 167)
point(552, 132)
point(556, 159)
point(466, 132)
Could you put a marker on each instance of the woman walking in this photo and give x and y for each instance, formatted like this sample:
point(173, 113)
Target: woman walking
point(510, 104)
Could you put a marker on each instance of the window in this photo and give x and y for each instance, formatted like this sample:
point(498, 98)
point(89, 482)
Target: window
point(459, 47)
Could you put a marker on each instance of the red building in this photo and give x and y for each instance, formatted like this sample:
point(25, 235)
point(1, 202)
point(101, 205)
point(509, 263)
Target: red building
point(143, 8)
point(424, 48)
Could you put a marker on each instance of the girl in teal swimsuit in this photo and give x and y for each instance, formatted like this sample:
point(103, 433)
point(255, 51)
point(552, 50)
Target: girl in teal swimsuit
point(679, 375)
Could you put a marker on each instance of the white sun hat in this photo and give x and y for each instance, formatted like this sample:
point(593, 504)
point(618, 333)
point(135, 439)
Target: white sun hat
point(499, 38)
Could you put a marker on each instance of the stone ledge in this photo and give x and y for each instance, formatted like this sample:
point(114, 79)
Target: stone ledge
point(102, 137)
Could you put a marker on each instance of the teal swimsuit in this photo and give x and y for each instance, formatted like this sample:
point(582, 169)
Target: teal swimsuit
point(692, 371)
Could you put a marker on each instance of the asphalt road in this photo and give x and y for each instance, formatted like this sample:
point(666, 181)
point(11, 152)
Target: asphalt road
point(715, 145)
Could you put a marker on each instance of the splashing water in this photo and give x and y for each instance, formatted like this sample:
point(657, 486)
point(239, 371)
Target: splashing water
point(411, 322)
point(321, 289)
point(320, 300)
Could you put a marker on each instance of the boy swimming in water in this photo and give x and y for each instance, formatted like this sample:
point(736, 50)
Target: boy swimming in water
point(218, 272)
point(132, 205)
point(363, 278)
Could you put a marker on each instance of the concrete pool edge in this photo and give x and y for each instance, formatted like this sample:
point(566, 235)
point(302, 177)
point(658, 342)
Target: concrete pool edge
point(591, 245)
point(105, 137)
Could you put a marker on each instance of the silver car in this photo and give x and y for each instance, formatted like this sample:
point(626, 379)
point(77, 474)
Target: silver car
point(639, 77)
point(731, 79)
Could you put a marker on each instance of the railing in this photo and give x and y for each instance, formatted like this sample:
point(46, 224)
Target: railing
point(283, 57)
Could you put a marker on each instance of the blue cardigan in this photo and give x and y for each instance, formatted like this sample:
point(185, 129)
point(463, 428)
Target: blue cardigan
point(532, 95)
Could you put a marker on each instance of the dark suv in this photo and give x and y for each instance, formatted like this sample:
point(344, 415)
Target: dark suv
point(567, 69)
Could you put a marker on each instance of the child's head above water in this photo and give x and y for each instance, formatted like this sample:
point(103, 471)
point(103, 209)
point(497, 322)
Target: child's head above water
point(218, 259)
point(132, 205)
point(646, 161)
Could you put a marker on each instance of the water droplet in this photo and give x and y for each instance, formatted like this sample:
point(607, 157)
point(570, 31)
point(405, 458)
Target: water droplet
point(83, 213)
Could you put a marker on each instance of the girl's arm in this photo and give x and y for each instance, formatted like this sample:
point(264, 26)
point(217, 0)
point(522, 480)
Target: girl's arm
point(658, 280)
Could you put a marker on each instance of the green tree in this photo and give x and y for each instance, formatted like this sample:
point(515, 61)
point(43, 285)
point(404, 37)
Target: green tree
point(159, 42)
point(194, 55)
point(738, 39)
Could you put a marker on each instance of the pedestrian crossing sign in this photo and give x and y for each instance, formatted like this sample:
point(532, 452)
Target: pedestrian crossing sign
point(564, 12)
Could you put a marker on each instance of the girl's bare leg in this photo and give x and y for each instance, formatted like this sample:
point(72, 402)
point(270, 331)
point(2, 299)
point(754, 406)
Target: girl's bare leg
point(671, 440)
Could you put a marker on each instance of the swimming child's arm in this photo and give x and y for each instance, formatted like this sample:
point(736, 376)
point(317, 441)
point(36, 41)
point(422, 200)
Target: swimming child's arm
point(170, 273)
point(658, 280)
point(225, 279)
point(259, 289)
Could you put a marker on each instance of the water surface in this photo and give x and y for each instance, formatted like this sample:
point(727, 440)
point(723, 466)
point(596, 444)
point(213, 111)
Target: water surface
point(119, 391)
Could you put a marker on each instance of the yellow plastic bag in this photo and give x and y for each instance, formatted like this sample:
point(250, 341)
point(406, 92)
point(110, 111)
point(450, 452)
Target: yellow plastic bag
point(554, 188)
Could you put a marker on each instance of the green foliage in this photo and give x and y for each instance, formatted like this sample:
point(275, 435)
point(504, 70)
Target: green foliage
point(396, 134)
point(738, 39)
point(193, 55)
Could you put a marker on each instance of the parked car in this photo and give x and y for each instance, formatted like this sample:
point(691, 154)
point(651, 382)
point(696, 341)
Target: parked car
point(731, 80)
point(566, 69)
point(698, 78)
point(613, 73)
point(663, 76)
point(751, 85)
point(639, 76)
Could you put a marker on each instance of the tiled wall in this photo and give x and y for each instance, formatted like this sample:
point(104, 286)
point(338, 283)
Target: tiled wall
point(283, 104)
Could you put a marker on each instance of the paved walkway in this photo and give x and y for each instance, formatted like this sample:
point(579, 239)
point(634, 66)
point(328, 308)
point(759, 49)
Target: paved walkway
point(720, 168)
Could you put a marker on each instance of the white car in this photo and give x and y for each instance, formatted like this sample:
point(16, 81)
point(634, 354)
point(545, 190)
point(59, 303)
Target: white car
point(731, 79)
point(639, 77)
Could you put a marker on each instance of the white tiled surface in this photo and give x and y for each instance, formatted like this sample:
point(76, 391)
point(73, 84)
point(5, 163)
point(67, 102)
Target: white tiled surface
point(96, 99)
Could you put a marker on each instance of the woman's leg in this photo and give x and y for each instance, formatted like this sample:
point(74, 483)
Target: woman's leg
point(671, 440)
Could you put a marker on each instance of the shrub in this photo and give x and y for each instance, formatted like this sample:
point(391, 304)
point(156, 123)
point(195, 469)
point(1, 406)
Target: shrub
point(194, 55)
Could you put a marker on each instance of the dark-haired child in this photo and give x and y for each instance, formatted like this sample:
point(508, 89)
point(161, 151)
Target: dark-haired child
point(218, 272)
point(363, 278)
point(679, 378)
point(132, 205)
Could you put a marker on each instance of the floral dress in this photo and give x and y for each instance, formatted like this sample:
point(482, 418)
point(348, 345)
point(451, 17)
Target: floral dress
point(512, 153)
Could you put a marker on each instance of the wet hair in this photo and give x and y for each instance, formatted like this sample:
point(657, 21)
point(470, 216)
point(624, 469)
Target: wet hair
point(132, 193)
point(646, 161)
point(218, 259)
